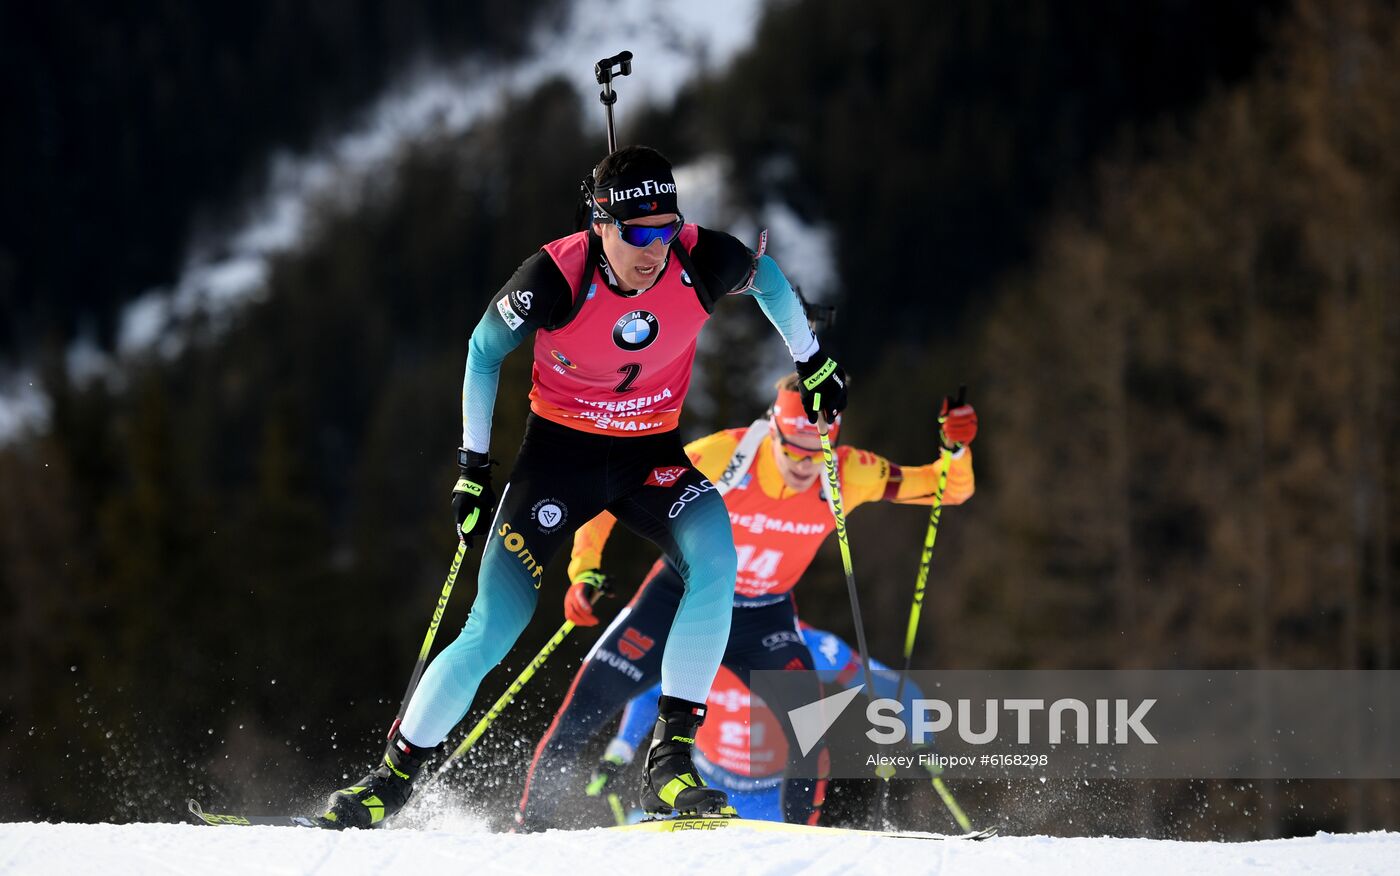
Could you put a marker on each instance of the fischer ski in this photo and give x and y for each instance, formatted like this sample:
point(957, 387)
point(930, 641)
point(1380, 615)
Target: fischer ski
point(224, 819)
point(692, 823)
point(675, 824)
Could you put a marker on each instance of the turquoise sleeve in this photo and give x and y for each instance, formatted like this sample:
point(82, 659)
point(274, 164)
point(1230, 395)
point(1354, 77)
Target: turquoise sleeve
point(780, 304)
point(491, 342)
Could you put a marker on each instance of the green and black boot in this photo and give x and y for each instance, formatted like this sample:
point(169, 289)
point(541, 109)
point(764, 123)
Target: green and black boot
point(671, 783)
point(381, 793)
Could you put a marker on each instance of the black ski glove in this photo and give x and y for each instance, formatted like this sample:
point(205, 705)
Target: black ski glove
point(473, 500)
point(822, 385)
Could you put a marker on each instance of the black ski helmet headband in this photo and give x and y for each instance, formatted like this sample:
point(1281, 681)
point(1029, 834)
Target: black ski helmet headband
point(642, 187)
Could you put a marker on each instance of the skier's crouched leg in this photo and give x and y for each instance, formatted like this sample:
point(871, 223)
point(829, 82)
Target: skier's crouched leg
point(505, 600)
point(706, 560)
point(704, 555)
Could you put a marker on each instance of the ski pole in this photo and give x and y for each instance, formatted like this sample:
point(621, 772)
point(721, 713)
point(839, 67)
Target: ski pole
point(833, 483)
point(916, 610)
point(619, 812)
point(952, 805)
point(833, 489)
point(516, 686)
point(921, 580)
point(935, 514)
point(604, 71)
point(432, 634)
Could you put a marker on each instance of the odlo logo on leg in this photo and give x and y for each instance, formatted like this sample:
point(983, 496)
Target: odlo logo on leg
point(515, 543)
point(692, 492)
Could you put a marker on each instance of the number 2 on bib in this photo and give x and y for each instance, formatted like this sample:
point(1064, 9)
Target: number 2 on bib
point(629, 372)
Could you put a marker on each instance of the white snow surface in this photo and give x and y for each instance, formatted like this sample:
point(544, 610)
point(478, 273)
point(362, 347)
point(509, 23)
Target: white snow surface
point(178, 848)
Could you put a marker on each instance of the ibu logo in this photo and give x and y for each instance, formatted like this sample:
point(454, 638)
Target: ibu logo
point(549, 514)
point(636, 330)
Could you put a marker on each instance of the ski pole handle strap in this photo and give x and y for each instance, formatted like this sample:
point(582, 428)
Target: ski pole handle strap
point(814, 380)
point(596, 582)
point(471, 488)
point(822, 387)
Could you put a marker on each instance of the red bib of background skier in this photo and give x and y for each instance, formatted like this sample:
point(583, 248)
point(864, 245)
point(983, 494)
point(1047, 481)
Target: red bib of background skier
point(776, 539)
point(622, 365)
point(744, 741)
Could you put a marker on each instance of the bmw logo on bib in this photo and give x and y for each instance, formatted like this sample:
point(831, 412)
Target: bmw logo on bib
point(635, 330)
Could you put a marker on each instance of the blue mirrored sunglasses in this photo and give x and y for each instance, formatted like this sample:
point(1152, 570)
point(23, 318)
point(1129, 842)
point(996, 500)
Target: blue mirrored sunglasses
point(641, 236)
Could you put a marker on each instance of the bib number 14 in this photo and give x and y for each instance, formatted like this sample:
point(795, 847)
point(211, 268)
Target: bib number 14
point(763, 565)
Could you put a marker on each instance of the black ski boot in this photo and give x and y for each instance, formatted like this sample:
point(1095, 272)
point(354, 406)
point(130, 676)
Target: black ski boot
point(381, 793)
point(671, 783)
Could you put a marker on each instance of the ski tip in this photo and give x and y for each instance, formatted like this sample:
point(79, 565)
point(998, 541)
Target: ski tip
point(197, 811)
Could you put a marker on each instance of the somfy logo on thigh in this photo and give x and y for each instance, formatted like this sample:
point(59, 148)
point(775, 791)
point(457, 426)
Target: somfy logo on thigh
point(514, 543)
point(1135, 724)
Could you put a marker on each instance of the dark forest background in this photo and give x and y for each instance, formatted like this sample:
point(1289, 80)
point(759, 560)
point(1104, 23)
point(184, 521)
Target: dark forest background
point(1160, 242)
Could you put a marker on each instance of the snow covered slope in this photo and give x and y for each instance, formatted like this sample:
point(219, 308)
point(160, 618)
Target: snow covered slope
point(173, 848)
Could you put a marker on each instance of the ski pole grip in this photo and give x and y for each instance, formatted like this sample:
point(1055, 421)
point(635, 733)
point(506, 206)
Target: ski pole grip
point(604, 69)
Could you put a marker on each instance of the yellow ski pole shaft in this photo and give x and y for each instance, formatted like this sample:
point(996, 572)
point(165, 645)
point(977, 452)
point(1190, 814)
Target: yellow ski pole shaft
point(921, 580)
point(433, 624)
point(833, 484)
point(953, 808)
point(619, 812)
point(915, 610)
point(833, 489)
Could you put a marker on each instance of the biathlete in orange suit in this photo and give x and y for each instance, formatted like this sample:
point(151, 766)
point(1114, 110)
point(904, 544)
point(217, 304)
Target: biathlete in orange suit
point(770, 477)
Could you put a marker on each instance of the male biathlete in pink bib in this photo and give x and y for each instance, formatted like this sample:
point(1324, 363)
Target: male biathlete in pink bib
point(615, 311)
